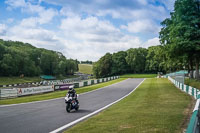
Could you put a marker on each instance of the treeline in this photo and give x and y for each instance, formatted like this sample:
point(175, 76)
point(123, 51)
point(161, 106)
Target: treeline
point(136, 60)
point(17, 58)
point(86, 62)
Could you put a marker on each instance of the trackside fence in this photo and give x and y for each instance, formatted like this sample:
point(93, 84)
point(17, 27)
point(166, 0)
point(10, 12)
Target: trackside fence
point(17, 92)
point(50, 82)
point(194, 124)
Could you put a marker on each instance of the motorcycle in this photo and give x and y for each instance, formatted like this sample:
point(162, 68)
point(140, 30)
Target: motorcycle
point(71, 103)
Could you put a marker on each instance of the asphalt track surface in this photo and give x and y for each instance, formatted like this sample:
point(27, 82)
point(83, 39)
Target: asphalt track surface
point(43, 117)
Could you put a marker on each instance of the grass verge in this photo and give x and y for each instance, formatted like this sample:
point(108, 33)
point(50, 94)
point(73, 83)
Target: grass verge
point(156, 106)
point(193, 82)
point(56, 94)
point(85, 68)
point(138, 76)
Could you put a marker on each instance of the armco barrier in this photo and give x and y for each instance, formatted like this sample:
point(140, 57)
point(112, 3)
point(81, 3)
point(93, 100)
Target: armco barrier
point(194, 126)
point(91, 82)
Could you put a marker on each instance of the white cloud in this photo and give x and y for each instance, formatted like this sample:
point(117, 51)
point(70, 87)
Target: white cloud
point(47, 15)
point(151, 42)
point(91, 34)
point(88, 29)
point(143, 2)
point(15, 4)
point(29, 22)
point(44, 15)
point(142, 26)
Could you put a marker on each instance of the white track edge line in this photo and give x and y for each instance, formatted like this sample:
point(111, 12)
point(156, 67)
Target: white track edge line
point(95, 112)
point(8, 105)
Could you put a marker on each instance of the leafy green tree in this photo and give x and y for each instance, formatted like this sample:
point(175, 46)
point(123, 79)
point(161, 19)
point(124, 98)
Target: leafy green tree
point(136, 59)
point(7, 65)
point(119, 64)
point(181, 32)
point(153, 59)
point(103, 67)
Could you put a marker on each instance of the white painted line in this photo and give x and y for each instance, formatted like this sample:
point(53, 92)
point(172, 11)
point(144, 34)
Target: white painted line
point(95, 112)
point(57, 98)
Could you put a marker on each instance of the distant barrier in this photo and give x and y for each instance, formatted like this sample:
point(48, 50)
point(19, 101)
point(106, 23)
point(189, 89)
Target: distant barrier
point(16, 92)
point(93, 81)
point(51, 82)
point(193, 126)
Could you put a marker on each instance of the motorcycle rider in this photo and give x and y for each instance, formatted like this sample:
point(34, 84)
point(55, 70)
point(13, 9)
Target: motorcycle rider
point(72, 93)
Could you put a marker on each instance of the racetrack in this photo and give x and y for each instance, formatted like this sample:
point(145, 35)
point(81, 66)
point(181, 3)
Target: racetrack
point(43, 117)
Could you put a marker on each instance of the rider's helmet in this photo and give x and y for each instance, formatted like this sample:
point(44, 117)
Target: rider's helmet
point(71, 88)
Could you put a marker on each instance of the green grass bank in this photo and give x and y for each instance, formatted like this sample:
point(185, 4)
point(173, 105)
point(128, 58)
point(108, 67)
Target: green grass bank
point(56, 94)
point(156, 106)
point(193, 82)
point(85, 68)
point(138, 76)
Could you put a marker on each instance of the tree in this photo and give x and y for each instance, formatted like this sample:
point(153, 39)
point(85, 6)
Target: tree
point(119, 64)
point(154, 59)
point(136, 58)
point(181, 32)
point(102, 68)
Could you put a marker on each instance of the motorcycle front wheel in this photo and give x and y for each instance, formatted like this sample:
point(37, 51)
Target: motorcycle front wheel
point(77, 107)
point(68, 107)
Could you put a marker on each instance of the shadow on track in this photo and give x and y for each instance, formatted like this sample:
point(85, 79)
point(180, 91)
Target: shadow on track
point(81, 111)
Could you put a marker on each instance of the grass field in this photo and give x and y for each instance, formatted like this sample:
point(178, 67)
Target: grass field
point(138, 76)
point(56, 94)
point(193, 82)
point(15, 80)
point(85, 68)
point(156, 106)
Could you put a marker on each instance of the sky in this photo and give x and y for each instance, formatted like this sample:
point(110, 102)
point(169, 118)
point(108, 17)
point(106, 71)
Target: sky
point(84, 29)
